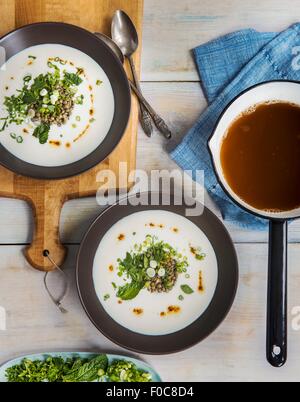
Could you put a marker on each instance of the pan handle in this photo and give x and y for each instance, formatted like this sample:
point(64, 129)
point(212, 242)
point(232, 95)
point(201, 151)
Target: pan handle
point(277, 295)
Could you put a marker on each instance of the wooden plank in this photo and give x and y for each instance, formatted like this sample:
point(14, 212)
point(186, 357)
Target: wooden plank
point(46, 197)
point(184, 25)
point(235, 352)
point(8, 16)
point(180, 104)
point(16, 224)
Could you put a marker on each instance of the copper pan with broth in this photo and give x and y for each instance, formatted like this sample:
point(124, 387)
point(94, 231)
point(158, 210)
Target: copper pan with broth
point(254, 150)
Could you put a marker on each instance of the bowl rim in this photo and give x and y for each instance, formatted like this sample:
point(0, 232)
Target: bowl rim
point(232, 271)
point(219, 179)
point(17, 166)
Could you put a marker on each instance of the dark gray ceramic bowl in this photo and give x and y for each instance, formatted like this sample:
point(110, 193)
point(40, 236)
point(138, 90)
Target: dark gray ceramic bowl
point(177, 341)
point(78, 38)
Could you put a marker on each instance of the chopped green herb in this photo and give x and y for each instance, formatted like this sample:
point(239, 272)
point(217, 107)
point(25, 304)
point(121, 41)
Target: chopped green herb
point(29, 98)
point(125, 371)
point(60, 61)
point(92, 120)
point(4, 125)
point(27, 78)
point(186, 289)
point(187, 276)
point(31, 57)
point(80, 70)
point(58, 369)
point(114, 285)
point(49, 99)
point(74, 125)
point(79, 100)
point(99, 82)
point(76, 369)
point(42, 133)
point(180, 297)
point(197, 253)
point(18, 139)
point(71, 78)
point(51, 65)
point(144, 267)
point(106, 297)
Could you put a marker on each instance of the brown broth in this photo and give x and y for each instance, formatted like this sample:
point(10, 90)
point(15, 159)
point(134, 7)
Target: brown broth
point(260, 157)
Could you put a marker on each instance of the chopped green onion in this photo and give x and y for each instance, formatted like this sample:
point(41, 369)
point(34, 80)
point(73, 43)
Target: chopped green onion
point(151, 272)
point(79, 100)
point(4, 125)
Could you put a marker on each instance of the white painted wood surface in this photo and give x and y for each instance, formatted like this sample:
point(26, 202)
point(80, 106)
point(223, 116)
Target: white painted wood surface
point(236, 351)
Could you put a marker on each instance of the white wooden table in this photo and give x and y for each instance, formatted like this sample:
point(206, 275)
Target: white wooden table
point(236, 351)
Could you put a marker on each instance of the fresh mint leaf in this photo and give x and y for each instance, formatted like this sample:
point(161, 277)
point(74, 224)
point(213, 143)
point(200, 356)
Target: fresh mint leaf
point(72, 79)
point(42, 133)
point(89, 371)
point(58, 369)
point(186, 289)
point(130, 291)
point(29, 98)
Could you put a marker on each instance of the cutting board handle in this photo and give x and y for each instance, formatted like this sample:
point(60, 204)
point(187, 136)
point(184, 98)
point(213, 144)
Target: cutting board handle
point(46, 235)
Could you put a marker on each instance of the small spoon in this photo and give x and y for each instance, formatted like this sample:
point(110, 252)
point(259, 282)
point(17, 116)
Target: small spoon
point(112, 45)
point(124, 34)
point(144, 115)
point(159, 122)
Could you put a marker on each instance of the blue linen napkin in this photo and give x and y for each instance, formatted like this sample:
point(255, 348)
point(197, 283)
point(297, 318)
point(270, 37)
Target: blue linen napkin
point(227, 66)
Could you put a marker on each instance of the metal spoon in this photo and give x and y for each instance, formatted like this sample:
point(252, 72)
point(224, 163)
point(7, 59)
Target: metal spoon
point(124, 34)
point(145, 119)
point(159, 122)
point(112, 45)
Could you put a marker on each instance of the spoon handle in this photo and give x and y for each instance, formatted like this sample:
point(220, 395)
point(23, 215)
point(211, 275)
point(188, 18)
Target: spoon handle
point(159, 122)
point(145, 118)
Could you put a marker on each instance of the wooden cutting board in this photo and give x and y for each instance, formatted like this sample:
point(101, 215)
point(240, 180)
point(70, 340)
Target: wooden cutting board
point(47, 197)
